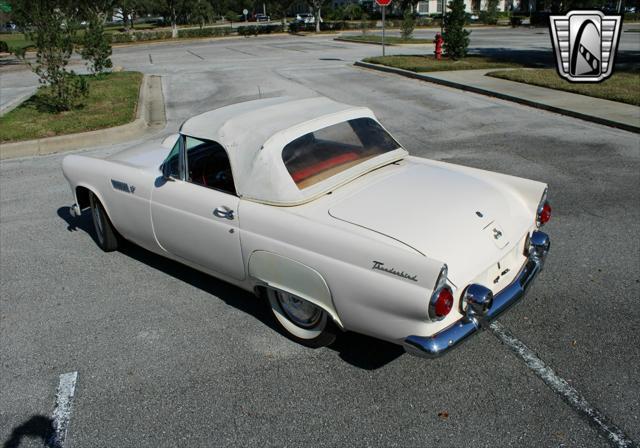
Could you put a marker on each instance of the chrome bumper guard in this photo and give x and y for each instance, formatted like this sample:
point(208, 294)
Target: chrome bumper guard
point(75, 211)
point(443, 341)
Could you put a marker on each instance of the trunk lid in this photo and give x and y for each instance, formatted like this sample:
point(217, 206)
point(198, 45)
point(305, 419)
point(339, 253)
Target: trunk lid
point(460, 219)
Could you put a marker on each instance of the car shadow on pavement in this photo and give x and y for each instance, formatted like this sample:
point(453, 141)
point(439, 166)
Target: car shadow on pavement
point(37, 427)
point(358, 350)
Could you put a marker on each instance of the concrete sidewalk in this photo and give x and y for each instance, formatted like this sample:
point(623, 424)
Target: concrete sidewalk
point(610, 113)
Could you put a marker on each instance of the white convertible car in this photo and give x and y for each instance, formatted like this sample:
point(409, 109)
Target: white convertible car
point(313, 205)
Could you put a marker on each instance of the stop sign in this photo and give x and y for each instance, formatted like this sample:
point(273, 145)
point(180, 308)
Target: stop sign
point(383, 2)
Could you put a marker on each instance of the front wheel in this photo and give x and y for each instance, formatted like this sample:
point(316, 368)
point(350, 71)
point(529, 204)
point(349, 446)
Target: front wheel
point(106, 235)
point(303, 321)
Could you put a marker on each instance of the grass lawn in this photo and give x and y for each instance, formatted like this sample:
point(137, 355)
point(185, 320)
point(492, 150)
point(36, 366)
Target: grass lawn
point(376, 38)
point(428, 63)
point(15, 40)
point(622, 86)
point(111, 102)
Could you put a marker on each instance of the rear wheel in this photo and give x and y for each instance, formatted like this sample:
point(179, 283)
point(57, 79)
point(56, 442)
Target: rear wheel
point(106, 235)
point(303, 321)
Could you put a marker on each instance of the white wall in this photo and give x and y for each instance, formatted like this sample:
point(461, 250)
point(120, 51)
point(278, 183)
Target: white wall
point(428, 7)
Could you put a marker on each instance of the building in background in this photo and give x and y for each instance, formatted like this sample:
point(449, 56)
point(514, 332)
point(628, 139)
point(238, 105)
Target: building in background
point(431, 7)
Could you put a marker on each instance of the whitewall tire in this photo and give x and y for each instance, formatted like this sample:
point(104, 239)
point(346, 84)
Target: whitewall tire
point(303, 321)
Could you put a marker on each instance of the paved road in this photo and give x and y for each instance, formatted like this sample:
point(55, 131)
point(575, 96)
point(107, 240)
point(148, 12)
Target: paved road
point(169, 357)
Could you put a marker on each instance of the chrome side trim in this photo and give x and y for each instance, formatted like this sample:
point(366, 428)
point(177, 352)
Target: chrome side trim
point(443, 341)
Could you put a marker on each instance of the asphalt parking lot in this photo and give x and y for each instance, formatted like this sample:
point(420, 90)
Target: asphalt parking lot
point(167, 356)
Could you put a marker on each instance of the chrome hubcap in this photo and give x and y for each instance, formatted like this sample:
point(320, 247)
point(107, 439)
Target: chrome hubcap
point(300, 312)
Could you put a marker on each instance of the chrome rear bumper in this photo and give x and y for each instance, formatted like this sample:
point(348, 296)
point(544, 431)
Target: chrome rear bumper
point(443, 341)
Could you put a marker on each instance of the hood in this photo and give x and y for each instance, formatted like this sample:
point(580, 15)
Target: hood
point(148, 155)
point(467, 221)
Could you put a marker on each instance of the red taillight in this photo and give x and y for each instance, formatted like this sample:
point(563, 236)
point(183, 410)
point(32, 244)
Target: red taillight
point(544, 215)
point(443, 303)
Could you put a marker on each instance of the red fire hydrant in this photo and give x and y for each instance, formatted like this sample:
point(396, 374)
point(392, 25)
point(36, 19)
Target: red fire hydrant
point(438, 41)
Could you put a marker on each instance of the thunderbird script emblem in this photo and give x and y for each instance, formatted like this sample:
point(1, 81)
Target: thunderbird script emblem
point(585, 44)
point(378, 265)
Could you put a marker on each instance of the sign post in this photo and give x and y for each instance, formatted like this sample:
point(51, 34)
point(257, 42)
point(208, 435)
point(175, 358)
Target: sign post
point(383, 4)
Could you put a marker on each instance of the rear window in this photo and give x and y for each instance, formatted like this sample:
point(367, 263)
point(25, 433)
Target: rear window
point(318, 155)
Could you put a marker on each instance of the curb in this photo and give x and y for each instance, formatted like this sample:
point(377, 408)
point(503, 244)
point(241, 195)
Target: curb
point(150, 115)
point(502, 96)
point(8, 107)
point(366, 42)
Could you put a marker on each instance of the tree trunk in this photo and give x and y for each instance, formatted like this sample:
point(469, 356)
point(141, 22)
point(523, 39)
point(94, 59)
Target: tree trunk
point(174, 24)
point(318, 20)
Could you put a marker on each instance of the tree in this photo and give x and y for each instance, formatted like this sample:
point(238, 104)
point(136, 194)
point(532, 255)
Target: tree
point(317, 6)
point(280, 8)
point(408, 24)
point(96, 47)
point(403, 5)
point(490, 16)
point(364, 23)
point(172, 9)
point(456, 38)
point(352, 11)
point(52, 26)
point(231, 15)
point(125, 10)
point(202, 12)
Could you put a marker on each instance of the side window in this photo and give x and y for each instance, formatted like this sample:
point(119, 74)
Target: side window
point(172, 162)
point(208, 165)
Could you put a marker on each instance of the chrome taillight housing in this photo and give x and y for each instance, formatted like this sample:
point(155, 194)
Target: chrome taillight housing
point(543, 213)
point(441, 302)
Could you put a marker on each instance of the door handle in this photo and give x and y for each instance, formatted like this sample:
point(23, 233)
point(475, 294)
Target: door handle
point(223, 212)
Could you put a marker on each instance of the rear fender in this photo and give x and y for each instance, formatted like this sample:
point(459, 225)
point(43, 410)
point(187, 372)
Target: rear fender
point(285, 274)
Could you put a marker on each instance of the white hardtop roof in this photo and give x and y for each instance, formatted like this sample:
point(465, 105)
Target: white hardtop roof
point(254, 133)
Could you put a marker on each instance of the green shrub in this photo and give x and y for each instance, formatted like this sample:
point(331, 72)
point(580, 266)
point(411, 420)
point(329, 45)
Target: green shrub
point(408, 25)
point(96, 46)
point(424, 21)
point(254, 30)
point(247, 31)
point(139, 36)
point(333, 26)
point(352, 11)
point(516, 21)
point(490, 16)
point(294, 27)
point(119, 38)
point(456, 38)
point(4, 47)
point(365, 23)
point(204, 32)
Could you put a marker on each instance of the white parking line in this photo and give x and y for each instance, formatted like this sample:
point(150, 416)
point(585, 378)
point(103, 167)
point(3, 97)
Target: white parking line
point(62, 410)
point(561, 387)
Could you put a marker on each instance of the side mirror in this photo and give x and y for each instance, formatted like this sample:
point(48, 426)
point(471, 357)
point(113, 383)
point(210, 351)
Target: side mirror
point(166, 173)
